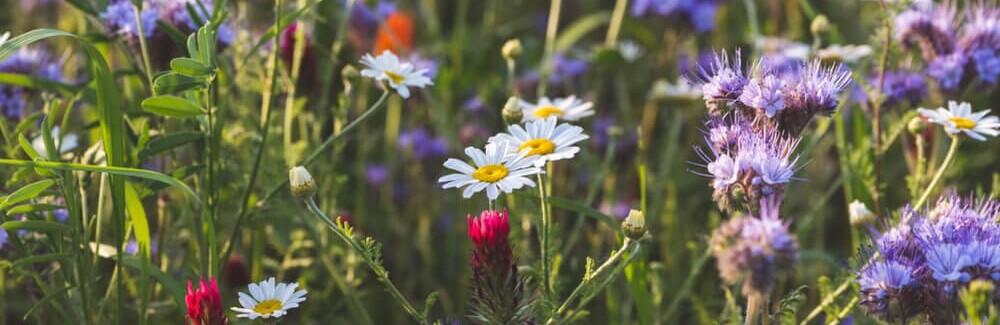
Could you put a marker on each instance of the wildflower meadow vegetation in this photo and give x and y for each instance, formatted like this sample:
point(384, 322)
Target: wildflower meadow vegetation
point(213, 162)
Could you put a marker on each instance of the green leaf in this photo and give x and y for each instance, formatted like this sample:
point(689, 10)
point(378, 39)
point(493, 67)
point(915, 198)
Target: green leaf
point(136, 213)
point(580, 208)
point(580, 28)
point(172, 285)
point(27, 192)
point(121, 171)
point(32, 208)
point(26, 81)
point(190, 67)
point(30, 260)
point(35, 225)
point(173, 82)
point(171, 106)
point(168, 142)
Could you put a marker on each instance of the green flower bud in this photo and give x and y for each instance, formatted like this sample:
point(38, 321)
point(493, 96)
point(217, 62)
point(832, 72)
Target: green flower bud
point(634, 225)
point(511, 49)
point(512, 113)
point(302, 184)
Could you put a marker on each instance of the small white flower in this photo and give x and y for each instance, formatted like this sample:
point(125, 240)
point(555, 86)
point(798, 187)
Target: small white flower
point(495, 170)
point(4, 37)
point(844, 53)
point(859, 213)
point(268, 300)
point(566, 109)
point(63, 144)
point(960, 118)
point(630, 51)
point(399, 75)
point(784, 47)
point(681, 90)
point(546, 139)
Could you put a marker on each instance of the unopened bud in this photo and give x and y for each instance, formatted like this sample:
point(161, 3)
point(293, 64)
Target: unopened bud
point(350, 73)
point(917, 125)
point(820, 24)
point(511, 49)
point(859, 214)
point(302, 184)
point(512, 113)
point(634, 225)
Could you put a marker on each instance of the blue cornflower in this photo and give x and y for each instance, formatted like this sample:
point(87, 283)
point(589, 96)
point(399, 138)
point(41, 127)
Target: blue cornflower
point(948, 70)
point(119, 17)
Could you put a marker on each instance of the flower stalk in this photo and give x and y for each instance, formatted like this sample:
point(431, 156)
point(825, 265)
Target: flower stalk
point(948, 159)
point(589, 277)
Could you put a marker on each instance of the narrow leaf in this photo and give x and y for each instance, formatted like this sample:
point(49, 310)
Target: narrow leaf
point(171, 106)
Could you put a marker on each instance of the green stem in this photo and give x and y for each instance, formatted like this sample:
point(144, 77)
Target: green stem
point(616, 23)
point(265, 124)
point(752, 18)
point(370, 260)
point(753, 309)
point(828, 300)
point(626, 246)
point(550, 46)
point(543, 236)
point(142, 46)
point(948, 159)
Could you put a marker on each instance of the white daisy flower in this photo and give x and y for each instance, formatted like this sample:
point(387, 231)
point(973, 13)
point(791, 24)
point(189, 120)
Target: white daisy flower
point(266, 299)
point(399, 75)
point(566, 109)
point(680, 90)
point(4, 37)
point(547, 139)
point(495, 170)
point(960, 118)
point(844, 53)
point(784, 47)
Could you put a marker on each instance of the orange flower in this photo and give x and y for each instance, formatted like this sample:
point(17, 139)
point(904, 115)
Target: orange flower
point(396, 34)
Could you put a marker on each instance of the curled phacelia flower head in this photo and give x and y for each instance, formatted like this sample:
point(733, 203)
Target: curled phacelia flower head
point(920, 265)
point(756, 251)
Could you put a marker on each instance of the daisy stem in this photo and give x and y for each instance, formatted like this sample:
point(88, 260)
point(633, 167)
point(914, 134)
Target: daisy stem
point(550, 46)
point(948, 159)
point(370, 258)
point(616, 23)
point(543, 236)
point(627, 245)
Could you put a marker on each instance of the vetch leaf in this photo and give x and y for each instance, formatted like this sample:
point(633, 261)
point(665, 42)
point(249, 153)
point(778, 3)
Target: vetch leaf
point(190, 67)
point(171, 106)
point(35, 225)
point(173, 82)
point(27, 192)
point(121, 171)
point(168, 142)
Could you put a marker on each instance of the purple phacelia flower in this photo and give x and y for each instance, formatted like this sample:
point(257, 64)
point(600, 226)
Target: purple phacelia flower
point(754, 251)
point(422, 144)
point(119, 17)
point(474, 104)
point(946, 262)
point(903, 87)
point(982, 27)
point(700, 14)
point(35, 62)
point(819, 87)
point(930, 25)
point(423, 63)
point(948, 70)
point(722, 79)
point(566, 68)
point(764, 94)
point(888, 290)
point(176, 13)
point(3, 238)
point(376, 175)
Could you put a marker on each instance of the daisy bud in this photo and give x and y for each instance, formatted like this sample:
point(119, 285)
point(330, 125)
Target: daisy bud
point(511, 49)
point(917, 125)
point(349, 73)
point(303, 185)
point(512, 113)
point(860, 215)
point(820, 24)
point(634, 225)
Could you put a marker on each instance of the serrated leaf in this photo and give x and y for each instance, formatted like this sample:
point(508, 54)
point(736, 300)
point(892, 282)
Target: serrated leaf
point(172, 106)
point(190, 67)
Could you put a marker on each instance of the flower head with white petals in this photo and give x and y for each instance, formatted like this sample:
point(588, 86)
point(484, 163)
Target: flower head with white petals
point(398, 75)
point(959, 118)
point(267, 299)
point(566, 109)
point(4, 37)
point(494, 170)
point(547, 139)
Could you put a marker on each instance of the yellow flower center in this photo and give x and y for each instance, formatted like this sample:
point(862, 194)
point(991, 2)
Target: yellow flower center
point(538, 147)
point(395, 77)
point(491, 173)
point(267, 307)
point(546, 111)
point(962, 123)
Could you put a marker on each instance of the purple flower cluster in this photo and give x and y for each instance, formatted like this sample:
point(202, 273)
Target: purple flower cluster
point(957, 50)
point(119, 17)
point(747, 163)
point(35, 62)
point(754, 251)
point(921, 264)
point(700, 14)
point(786, 98)
point(422, 144)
